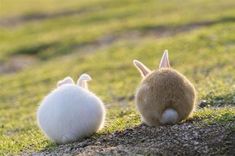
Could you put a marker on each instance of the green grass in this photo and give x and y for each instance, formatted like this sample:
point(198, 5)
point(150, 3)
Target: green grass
point(204, 54)
point(109, 17)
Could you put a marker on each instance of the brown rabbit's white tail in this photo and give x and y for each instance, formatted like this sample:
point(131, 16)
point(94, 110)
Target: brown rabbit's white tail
point(82, 81)
point(169, 116)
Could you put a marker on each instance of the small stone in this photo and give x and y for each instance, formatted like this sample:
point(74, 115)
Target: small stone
point(203, 103)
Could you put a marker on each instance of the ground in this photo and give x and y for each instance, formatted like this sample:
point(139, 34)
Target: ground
point(193, 137)
point(45, 42)
point(182, 139)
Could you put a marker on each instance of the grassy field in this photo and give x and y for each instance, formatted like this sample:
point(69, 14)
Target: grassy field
point(102, 37)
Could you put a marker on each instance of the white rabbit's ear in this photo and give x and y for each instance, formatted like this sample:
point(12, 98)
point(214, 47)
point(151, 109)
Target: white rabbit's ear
point(141, 67)
point(165, 60)
point(67, 80)
point(82, 81)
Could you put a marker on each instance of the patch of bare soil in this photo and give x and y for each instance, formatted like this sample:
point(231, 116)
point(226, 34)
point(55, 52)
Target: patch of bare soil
point(182, 139)
point(16, 63)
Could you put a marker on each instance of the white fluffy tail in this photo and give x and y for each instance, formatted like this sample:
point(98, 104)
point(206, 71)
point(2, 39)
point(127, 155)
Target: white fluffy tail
point(169, 116)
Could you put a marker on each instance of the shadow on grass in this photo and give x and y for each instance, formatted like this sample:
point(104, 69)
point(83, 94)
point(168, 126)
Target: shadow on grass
point(19, 20)
point(159, 31)
point(35, 49)
point(217, 100)
point(187, 27)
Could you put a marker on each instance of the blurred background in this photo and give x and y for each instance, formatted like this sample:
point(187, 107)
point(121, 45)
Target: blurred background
point(40, 30)
point(43, 41)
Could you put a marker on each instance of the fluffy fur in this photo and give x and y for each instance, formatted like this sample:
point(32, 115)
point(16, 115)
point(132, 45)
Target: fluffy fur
point(70, 112)
point(169, 116)
point(165, 96)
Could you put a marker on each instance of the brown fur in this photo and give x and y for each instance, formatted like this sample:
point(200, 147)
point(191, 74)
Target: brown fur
point(162, 89)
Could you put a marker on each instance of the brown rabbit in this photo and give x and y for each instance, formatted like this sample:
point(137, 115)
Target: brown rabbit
point(165, 96)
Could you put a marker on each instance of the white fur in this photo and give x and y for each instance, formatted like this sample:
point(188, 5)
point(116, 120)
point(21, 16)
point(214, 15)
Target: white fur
point(69, 113)
point(169, 116)
point(82, 81)
point(67, 80)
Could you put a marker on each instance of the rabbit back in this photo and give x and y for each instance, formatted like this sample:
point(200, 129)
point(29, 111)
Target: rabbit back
point(165, 89)
point(69, 113)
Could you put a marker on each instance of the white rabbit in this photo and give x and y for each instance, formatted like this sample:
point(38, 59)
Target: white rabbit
point(71, 111)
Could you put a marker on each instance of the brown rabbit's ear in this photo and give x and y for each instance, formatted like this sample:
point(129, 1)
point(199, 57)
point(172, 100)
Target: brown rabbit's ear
point(141, 67)
point(165, 60)
point(67, 80)
point(82, 81)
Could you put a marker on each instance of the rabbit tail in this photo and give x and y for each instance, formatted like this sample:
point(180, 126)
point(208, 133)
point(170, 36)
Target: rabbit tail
point(169, 116)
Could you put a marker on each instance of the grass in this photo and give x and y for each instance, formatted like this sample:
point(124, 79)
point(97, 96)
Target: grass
point(108, 18)
point(205, 54)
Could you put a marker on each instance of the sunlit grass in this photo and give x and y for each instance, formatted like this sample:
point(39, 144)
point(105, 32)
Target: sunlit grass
point(204, 54)
point(42, 37)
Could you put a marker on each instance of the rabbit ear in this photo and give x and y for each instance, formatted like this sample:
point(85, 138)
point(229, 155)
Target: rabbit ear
point(82, 81)
point(165, 60)
point(67, 80)
point(141, 67)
